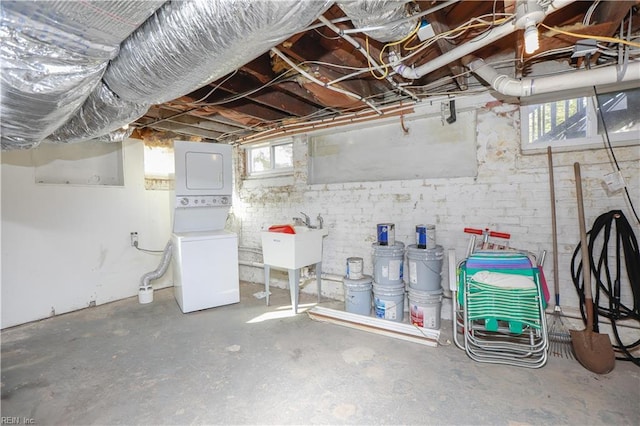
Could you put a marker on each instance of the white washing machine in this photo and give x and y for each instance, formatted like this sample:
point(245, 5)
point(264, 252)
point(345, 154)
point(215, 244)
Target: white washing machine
point(205, 256)
point(205, 271)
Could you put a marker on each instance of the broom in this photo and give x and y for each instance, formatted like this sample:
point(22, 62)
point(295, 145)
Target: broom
point(559, 336)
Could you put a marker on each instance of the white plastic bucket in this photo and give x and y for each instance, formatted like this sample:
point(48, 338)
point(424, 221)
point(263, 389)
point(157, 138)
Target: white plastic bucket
point(388, 264)
point(354, 268)
point(425, 308)
point(425, 267)
point(388, 302)
point(357, 295)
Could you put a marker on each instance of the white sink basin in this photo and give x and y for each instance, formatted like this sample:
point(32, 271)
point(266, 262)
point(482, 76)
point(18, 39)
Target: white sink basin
point(293, 251)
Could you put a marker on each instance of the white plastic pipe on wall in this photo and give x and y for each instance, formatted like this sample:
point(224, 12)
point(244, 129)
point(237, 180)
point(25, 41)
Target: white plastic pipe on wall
point(539, 85)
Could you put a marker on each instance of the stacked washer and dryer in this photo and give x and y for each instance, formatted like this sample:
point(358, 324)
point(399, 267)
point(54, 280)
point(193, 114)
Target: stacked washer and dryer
point(205, 256)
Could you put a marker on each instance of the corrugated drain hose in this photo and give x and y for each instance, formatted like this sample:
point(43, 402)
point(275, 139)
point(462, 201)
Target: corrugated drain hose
point(607, 289)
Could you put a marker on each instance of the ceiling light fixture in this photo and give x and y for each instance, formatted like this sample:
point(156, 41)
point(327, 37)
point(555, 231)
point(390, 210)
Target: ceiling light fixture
point(528, 15)
point(531, 41)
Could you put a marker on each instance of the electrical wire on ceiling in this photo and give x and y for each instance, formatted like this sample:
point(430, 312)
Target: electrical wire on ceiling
point(589, 13)
point(365, 52)
point(454, 33)
point(395, 43)
point(592, 37)
point(237, 96)
point(382, 71)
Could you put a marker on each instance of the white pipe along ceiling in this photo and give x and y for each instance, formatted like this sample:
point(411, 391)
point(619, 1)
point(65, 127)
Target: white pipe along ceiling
point(537, 86)
point(77, 71)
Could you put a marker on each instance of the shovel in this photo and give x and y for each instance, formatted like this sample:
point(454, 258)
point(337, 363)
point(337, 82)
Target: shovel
point(593, 350)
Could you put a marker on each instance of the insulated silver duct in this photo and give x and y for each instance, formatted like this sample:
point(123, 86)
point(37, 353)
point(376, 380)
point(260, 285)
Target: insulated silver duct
point(188, 44)
point(52, 55)
point(101, 113)
point(185, 45)
point(167, 253)
point(376, 15)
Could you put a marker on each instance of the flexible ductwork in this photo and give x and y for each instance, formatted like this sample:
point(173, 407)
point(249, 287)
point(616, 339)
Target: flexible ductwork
point(567, 81)
point(119, 135)
point(53, 55)
point(377, 14)
point(145, 281)
point(187, 44)
point(183, 46)
point(102, 112)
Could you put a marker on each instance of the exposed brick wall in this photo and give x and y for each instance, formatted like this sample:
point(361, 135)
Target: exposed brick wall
point(509, 194)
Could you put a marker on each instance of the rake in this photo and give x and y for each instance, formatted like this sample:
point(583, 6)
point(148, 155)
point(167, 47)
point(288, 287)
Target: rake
point(559, 337)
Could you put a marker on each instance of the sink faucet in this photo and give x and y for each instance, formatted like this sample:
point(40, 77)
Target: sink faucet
point(307, 220)
point(320, 221)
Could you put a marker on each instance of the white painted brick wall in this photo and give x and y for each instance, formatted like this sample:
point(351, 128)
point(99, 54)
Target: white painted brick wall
point(510, 194)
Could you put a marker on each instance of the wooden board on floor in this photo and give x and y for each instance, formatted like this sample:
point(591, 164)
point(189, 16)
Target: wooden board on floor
point(402, 331)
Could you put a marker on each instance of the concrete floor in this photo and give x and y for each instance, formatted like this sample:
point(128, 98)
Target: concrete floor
point(125, 363)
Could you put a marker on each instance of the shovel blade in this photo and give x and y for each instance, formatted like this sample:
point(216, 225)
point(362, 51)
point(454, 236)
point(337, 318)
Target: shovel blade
point(593, 351)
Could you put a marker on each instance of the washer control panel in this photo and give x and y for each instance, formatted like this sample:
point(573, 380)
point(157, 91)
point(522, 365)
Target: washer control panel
point(188, 201)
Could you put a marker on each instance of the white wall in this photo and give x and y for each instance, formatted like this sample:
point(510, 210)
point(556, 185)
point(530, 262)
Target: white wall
point(509, 194)
point(67, 246)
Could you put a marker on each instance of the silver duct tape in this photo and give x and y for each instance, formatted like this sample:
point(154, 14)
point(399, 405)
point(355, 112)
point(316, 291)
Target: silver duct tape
point(374, 13)
point(101, 114)
point(188, 44)
point(53, 55)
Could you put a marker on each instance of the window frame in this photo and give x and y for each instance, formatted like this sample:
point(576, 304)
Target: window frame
point(272, 170)
point(158, 182)
point(592, 140)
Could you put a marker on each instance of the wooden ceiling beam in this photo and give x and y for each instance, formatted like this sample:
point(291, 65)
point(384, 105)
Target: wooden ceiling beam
point(243, 106)
point(182, 128)
point(221, 123)
point(268, 97)
point(260, 69)
point(613, 12)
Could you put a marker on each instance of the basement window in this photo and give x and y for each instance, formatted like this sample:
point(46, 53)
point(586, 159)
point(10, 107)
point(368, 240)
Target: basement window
point(574, 123)
point(271, 158)
point(159, 165)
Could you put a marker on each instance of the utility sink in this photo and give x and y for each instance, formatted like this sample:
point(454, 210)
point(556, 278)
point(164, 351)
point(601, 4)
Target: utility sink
point(293, 251)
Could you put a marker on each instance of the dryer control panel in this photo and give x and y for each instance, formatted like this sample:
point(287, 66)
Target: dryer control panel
point(203, 201)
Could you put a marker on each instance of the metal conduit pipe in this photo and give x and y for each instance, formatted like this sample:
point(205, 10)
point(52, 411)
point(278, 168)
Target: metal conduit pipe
point(539, 85)
point(465, 49)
